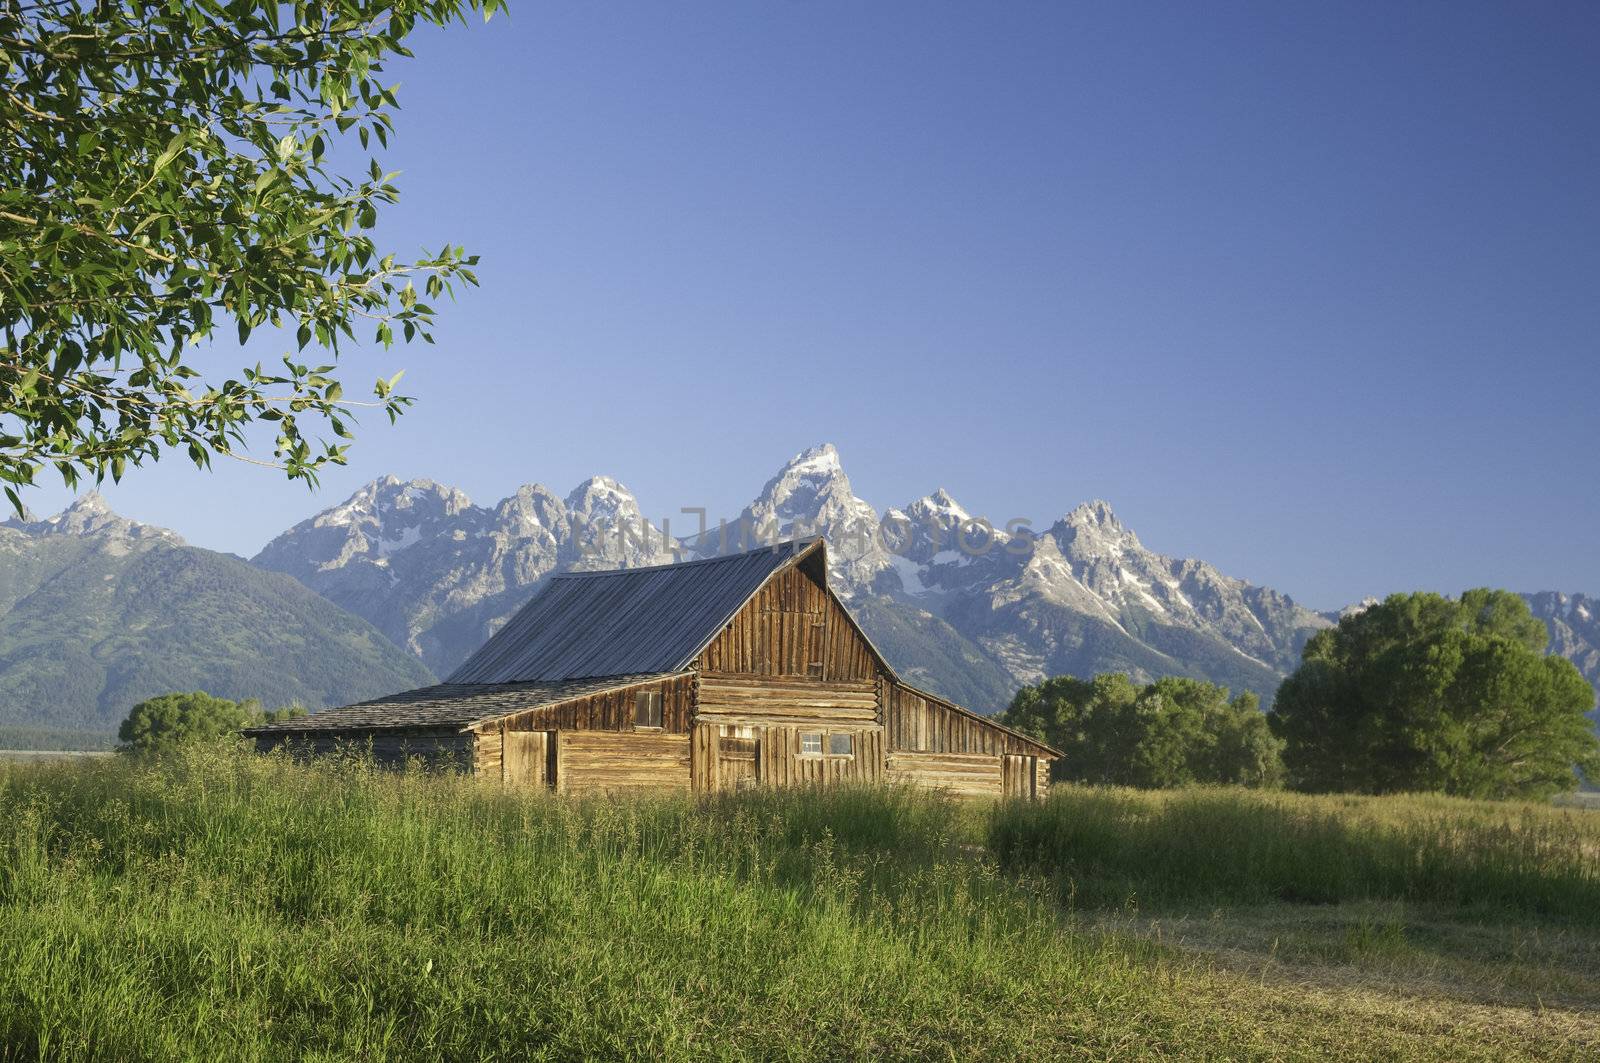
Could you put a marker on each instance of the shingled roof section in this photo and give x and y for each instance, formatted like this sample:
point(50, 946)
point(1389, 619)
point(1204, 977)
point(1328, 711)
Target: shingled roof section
point(448, 706)
point(626, 621)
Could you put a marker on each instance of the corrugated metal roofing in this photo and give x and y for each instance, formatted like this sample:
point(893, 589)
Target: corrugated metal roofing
point(586, 624)
point(448, 706)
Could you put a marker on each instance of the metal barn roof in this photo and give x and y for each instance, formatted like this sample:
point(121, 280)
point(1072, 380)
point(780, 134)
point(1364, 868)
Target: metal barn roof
point(626, 621)
point(447, 706)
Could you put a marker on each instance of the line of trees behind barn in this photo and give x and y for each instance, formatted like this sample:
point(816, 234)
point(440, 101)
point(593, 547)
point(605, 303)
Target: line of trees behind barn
point(1420, 693)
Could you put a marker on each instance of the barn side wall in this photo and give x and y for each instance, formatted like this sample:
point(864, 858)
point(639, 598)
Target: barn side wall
point(936, 744)
point(961, 774)
point(435, 750)
point(604, 762)
point(609, 711)
point(731, 756)
point(920, 723)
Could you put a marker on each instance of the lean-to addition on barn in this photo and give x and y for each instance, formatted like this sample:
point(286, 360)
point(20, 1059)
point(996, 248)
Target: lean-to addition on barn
point(708, 675)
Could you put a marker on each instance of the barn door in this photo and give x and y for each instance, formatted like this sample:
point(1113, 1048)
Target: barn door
point(1017, 775)
point(737, 760)
point(525, 758)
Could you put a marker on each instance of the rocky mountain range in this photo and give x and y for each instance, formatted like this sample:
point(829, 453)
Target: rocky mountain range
point(411, 576)
point(98, 612)
point(965, 609)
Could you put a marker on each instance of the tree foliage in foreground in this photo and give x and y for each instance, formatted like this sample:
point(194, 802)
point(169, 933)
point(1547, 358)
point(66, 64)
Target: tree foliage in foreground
point(168, 168)
point(163, 723)
point(1171, 732)
point(1426, 693)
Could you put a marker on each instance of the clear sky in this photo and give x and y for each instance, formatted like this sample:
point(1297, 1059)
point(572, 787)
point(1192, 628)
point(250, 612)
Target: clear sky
point(1309, 291)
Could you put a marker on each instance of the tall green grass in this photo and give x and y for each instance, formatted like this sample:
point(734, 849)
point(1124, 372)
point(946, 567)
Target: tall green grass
point(1235, 846)
point(241, 907)
point(249, 908)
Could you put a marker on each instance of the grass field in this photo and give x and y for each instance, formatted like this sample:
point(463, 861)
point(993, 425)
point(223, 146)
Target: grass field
point(248, 908)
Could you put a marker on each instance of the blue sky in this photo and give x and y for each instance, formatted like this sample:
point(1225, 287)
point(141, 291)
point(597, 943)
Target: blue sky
point(1309, 291)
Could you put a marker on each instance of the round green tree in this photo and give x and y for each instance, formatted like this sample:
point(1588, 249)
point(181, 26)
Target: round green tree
point(162, 723)
point(1172, 732)
point(1426, 693)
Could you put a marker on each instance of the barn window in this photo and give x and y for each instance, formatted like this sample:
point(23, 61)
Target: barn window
point(811, 742)
point(647, 708)
point(841, 745)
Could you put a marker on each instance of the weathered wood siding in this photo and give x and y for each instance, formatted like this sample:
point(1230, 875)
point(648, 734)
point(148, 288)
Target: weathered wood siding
point(924, 724)
point(451, 750)
point(526, 759)
point(792, 627)
point(488, 753)
point(775, 700)
point(730, 756)
point(601, 761)
point(1019, 775)
point(610, 711)
point(962, 774)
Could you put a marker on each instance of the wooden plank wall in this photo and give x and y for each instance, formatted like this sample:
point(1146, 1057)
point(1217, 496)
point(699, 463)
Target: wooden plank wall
point(778, 756)
point(923, 724)
point(792, 627)
point(1019, 775)
point(775, 700)
point(487, 754)
point(525, 759)
point(434, 750)
point(611, 711)
point(962, 774)
point(602, 761)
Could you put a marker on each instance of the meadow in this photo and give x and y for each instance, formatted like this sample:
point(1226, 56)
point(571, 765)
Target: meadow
point(241, 907)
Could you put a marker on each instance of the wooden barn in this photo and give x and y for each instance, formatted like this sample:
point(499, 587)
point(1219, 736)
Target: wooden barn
point(709, 675)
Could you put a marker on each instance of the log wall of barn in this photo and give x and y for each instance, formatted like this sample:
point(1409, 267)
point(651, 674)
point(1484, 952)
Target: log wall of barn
point(603, 762)
point(961, 774)
point(730, 756)
point(776, 700)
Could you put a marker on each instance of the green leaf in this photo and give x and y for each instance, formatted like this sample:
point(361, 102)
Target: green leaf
point(170, 152)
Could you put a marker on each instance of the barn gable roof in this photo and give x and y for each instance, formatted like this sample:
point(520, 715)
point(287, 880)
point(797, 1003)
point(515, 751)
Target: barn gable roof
point(447, 706)
point(631, 621)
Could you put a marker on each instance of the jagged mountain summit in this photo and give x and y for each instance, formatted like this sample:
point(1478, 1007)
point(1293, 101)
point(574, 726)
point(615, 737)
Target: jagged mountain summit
point(970, 610)
point(98, 612)
point(89, 514)
point(810, 495)
point(438, 574)
point(965, 609)
point(1574, 623)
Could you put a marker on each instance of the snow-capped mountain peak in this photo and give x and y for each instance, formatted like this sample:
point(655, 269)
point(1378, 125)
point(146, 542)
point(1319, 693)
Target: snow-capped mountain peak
point(602, 499)
point(811, 495)
point(90, 515)
point(820, 462)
